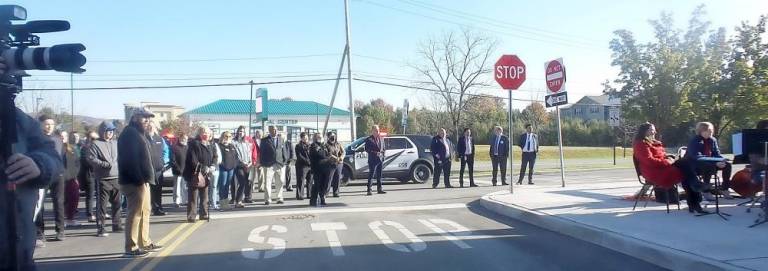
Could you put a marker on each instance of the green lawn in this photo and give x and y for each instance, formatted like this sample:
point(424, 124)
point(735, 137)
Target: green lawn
point(552, 152)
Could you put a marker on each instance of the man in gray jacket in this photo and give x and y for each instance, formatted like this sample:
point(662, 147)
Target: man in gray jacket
point(102, 156)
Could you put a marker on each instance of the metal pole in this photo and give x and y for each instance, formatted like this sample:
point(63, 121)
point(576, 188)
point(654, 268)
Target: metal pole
point(335, 88)
point(560, 143)
point(72, 97)
point(352, 123)
point(250, 111)
point(511, 150)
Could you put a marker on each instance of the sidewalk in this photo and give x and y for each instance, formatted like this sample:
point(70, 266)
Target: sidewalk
point(596, 212)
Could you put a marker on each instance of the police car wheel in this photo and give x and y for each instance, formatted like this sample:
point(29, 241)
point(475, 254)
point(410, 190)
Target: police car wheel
point(420, 173)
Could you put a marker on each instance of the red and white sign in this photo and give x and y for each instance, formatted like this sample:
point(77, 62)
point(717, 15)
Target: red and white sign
point(555, 74)
point(509, 72)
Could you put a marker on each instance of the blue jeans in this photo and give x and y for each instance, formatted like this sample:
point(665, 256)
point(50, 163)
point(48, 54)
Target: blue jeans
point(225, 180)
point(213, 191)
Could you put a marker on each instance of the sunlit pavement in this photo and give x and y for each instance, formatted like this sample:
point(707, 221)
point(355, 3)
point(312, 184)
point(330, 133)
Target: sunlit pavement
point(413, 227)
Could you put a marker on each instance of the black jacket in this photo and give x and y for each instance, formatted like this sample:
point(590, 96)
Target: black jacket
point(134, 159)
point(302, 154)
point(438, 149)
point(158, 143)
point(320, 158)
point(229, 159)
point(179, 156)
point(272, 154)
point(199, 157)
point(503, 146)
point(461, 147)
point(524, 140)
point(374, 150)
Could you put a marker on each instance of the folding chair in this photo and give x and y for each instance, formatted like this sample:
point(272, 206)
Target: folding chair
point(649, 186)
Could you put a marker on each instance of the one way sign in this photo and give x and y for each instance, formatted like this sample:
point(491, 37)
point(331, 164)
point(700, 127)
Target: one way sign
point(556, 99)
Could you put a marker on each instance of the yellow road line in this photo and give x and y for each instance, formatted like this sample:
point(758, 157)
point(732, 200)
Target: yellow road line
point(168, 250)
point(165, 239)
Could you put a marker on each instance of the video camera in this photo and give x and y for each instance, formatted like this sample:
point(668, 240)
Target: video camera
point(16, 41)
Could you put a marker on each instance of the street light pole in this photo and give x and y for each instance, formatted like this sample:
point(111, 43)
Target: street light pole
point(72, 97)
point(250, 111)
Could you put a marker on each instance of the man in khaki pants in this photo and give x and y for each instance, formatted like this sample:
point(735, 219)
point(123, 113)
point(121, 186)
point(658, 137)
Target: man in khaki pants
point(136, 174)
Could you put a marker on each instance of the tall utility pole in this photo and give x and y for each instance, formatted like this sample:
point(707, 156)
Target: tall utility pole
point(352, 123)
point(72, 97)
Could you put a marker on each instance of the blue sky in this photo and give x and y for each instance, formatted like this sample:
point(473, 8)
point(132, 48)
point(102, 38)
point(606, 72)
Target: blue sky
point(303, 39)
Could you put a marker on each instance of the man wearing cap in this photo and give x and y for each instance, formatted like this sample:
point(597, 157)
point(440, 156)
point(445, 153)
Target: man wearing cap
point(102, 157)
point(136, 172)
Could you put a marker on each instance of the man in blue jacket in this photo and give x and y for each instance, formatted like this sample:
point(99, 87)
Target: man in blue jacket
point(34, 165)
point(701, 149)
point(499, 151)
point(441, 155)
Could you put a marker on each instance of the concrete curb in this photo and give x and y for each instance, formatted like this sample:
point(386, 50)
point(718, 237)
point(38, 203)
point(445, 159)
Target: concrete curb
point(660, 255)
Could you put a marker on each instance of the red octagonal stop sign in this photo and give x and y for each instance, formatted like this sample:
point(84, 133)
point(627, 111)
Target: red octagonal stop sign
point(509, 72)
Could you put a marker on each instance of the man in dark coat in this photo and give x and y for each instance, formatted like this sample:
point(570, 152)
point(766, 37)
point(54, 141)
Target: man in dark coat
point(303, 164)
point(179, 155)
point(499, 151)
point(374, 147)
point(466, 151)
point(136, 172)
point(322, 165)
point(441, 155)
point(273, 158)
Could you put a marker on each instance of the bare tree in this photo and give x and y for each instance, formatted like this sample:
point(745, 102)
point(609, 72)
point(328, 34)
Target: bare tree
point(455, 65)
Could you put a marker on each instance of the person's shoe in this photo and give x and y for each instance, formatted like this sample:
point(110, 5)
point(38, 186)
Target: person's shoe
point(504, 183)
point(101, 233)
point(207, 218)
point(92, 219)
point(224, 204)
point(369, 193)
point(461, 185)
point(336, 195)
point(519, 183)
point(530, 182)
point(434, 186)
point(158, 213)
point(279, 202)
point(39, 243)
point(72, 223)
point(191, 220)
point(107, 216)
point(698, 210)
point(381, 192)
point(136, 254)
point(117, 229)
point(289, 189)
point(449, 186)
point(59, 237)
point(239, 205)
point(266, 202)
point(473, 185)
point(494, 184)
point(322, 202)
point(153, 248)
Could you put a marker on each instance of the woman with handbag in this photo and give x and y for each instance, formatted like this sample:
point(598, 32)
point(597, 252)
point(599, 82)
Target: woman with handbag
point(197, 174)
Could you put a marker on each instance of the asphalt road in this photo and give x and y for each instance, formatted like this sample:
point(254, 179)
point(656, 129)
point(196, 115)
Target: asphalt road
point(413, 227)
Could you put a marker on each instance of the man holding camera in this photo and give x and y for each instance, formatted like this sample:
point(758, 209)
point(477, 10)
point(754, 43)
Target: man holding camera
point(33, 165)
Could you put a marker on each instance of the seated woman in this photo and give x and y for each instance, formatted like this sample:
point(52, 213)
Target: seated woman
point(701, 149)
point(666, 172)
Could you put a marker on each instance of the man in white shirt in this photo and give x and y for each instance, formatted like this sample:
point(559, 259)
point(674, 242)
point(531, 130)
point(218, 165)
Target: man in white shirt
point(529, 143)
point(466, 152)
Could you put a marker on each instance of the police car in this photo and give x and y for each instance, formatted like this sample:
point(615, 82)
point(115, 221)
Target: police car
point(406, 158)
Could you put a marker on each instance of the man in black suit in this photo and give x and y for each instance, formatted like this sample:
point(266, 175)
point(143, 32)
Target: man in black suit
point(441, 154)
point(529, 143)
point(374, 146)
point(466, 151)
point(273, 159)
point(291, 159)
point(303, 175)
point(499, 152)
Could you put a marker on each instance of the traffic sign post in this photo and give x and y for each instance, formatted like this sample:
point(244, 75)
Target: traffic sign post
point(555, 75)
point(510, 73)
point(614, 121)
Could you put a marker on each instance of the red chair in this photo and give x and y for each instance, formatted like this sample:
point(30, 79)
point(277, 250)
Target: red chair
point(648, 186)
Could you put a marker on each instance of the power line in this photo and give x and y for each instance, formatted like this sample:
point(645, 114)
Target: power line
point(209, 59)
point(482, 28)
point(497, 22)
point(187, 86)
point(184, 79)
point(180, 74)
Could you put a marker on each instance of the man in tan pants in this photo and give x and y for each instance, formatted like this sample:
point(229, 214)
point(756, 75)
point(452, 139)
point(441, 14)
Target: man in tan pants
point(136, 174)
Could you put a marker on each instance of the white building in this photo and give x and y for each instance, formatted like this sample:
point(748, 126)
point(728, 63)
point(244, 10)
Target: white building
point(290, 117)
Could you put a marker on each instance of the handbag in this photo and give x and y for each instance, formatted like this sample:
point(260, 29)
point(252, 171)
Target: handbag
point(199, 179)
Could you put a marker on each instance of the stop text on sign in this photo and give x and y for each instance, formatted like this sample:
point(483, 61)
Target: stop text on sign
point(510, 72)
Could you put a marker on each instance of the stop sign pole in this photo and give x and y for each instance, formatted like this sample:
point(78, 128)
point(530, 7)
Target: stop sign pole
point(509, 72)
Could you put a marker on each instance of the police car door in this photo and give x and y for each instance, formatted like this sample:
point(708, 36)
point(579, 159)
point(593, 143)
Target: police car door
point(360, 158)
point(399, 153)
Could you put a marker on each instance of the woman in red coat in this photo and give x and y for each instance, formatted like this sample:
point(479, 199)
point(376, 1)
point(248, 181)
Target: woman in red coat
point(665, 172)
